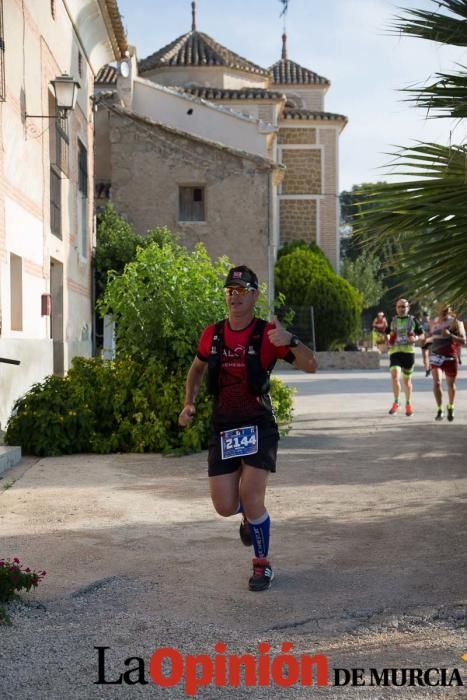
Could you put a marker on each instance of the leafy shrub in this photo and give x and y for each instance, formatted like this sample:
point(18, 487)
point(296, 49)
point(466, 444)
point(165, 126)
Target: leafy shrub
point(312, 247)
point(117, 243)
point(163, 300)
point(282, 402)
point(305, 280)
point(117, 406)
point(295, 273)
point(50, 419)
point(14, 578)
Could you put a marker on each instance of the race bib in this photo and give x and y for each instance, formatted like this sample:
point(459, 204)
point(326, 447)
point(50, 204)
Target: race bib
point(402, 339)
point(239, 442)
point(437, 360)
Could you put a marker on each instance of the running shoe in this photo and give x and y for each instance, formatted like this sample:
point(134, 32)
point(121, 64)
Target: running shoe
point(450, 414)
point(394, 408)
point(408, 410)
point(440, 414)
point(262, 575)
point(245, 534)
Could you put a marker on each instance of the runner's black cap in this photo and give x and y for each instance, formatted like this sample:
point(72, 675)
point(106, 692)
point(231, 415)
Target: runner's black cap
point(241, 276)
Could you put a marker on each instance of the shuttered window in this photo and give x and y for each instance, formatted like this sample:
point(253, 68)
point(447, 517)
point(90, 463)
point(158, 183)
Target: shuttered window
point(55, 203)
point(82, 200)
point(191, 204)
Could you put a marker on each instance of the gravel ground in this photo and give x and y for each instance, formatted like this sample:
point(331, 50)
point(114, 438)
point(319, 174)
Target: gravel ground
point(368, 543)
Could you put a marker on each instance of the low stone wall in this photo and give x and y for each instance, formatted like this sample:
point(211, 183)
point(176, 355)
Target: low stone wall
point(348, 360)
point(343, 360)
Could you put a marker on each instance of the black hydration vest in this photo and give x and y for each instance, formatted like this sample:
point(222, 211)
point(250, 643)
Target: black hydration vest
point(257, 376)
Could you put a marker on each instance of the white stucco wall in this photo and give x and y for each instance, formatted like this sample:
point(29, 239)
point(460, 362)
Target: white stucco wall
point(40, 47)
point(168, 107)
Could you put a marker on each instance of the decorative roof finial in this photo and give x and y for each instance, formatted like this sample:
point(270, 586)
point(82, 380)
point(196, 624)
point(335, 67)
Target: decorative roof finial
point(193, 16)
point(284, 46)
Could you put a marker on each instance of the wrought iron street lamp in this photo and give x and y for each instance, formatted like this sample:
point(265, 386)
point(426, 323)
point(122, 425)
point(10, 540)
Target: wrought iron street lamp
point(66, 91)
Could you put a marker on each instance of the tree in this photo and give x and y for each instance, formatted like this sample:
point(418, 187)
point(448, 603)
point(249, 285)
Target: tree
point(162, 301)
point(305, 279)
point(117, 243)
point(424, 218)
point(364, 274)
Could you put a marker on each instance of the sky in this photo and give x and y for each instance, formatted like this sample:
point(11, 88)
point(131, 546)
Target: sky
point(346, 41)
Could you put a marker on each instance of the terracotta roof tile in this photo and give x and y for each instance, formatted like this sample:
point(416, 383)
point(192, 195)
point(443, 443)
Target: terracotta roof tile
point(107, 76)
point(286, 72)
point(117, 25)
point(247, 93)
point(197, 49)
point(306, 114)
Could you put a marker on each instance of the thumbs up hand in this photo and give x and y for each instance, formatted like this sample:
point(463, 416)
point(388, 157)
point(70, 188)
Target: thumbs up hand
point(278, 335)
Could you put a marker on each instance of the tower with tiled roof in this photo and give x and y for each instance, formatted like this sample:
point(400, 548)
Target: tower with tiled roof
point(307, 144)
point(197, 58)
point(285, 101)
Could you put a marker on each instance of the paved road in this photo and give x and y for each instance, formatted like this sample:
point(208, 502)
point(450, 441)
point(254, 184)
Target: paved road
point(368, 544)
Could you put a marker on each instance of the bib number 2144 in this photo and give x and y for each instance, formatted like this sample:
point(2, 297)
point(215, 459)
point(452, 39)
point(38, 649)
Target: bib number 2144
point(239, 442)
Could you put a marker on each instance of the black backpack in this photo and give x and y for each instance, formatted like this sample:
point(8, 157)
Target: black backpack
point(257, 376)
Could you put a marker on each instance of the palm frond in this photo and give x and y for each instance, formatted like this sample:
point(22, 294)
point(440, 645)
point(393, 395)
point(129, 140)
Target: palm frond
point(448, 95)
point(425, 218)
point(435, 26)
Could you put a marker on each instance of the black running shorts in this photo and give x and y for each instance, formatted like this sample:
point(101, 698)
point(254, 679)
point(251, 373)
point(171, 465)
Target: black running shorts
point(404, 360)
point(265, 458)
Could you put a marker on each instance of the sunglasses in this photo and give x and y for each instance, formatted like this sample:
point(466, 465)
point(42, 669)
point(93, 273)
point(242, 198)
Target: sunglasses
point(237, 291)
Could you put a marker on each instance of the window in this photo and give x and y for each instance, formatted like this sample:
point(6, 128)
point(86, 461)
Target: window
point(80, 64)
point(59, 140)
point(62, 141)
point(82, 200)
point(16, 292)
point(55, 203)
point(2, 57)
point(191, 204)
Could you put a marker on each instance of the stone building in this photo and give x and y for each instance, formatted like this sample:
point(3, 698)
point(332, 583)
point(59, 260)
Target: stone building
point(220, 150)
point(47, 183)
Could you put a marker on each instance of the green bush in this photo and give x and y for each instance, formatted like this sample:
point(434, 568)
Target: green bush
point(163, 300)
point(117, 243)
point(282, 397)
point(312, 247)
point(305, 280)
point(160, 302)
point(117, 406)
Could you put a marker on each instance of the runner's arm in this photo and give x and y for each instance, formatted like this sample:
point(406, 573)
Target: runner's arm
point(304, 357)
point(193, 382)
point(459, 335)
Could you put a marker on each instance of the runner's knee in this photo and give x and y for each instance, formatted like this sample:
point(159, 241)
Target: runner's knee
point(225, 509)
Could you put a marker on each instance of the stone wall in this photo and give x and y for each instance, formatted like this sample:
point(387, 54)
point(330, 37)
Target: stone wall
point(303, 174)
point(298, 135)
point(298, 219)
point(328, 213)
point(149, 163)
point(348, 360)
point(341, 360)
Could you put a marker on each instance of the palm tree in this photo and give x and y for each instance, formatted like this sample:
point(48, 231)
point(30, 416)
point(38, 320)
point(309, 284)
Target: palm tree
point(424, 218)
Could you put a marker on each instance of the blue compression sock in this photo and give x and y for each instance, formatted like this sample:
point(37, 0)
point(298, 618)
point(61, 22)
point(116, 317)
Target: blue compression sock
point(259, 529)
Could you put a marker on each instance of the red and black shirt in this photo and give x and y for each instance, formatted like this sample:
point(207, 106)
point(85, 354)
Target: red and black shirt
point(235, 403)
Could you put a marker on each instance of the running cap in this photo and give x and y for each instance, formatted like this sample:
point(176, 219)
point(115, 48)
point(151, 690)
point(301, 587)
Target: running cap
point(241, 276)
